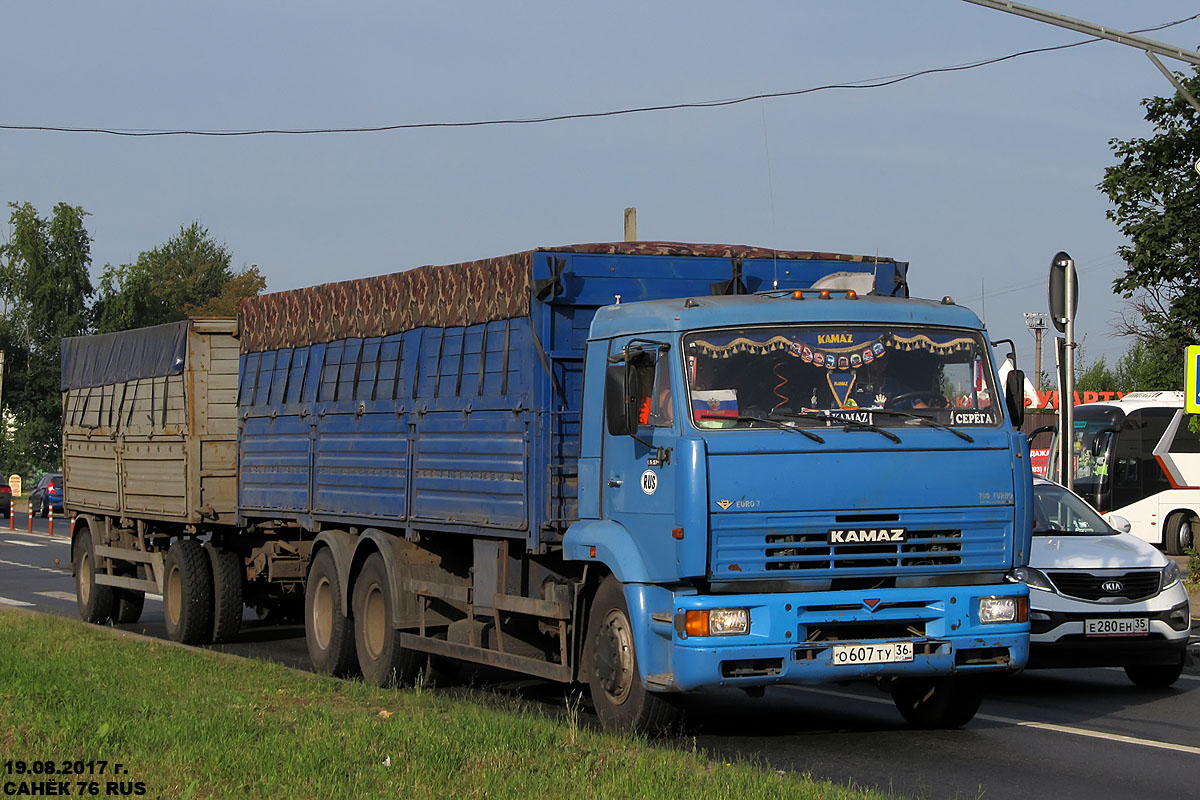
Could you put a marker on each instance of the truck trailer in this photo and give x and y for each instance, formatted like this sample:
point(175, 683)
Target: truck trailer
point(652, 468)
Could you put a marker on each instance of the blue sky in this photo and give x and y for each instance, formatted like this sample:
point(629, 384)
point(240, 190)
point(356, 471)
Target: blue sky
point(977, 178)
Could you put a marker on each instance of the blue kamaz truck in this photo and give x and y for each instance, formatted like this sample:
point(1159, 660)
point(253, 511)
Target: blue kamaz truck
point(653, 468)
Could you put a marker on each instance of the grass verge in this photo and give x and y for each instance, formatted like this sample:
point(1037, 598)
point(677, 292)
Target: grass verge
point(193, 724)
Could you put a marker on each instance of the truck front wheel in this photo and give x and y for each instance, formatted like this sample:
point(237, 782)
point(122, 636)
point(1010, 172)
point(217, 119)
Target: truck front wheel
point(622, 703)
point(937, 702)
point(383, 661)
point(95, 601)
point(187, 593)
point(328, 631)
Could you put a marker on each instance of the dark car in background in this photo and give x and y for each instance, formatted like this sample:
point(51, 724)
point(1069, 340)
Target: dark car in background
point(48, 494)
point(5, 500)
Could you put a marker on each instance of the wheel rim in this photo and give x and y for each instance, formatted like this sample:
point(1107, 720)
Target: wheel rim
point(614, 656)
point(322, 613)
point(1186, 535)
point(174, 595)
point(374, 621)
point(85, 577)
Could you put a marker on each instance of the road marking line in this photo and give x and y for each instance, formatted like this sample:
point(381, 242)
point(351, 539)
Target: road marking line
point(24, 544)
point(4, 601)
point(58, 595)
point(63, 572)
point(1045, 726)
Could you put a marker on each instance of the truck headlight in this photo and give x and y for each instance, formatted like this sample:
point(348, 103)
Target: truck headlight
point(1170, 576)
point(717, 622)
point(1033, 578)
point(995, 610)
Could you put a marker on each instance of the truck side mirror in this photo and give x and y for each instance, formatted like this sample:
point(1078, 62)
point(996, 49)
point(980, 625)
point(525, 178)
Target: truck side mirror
point(1014, 396)
point(622, 395)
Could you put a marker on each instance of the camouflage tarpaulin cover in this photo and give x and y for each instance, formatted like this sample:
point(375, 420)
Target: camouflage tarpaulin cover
point(438, 296)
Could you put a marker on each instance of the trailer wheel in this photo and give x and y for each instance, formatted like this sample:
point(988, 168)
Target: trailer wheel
point(384, 662)
point(95, 601)
point(129, 605)
point(1179, 534)
point(937, 702)
point(328, 631)
point(622, 703)
point(227, 592)
point(187, 593)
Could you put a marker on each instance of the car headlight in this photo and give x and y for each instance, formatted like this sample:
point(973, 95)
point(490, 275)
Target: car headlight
point(997, 610)
point(717, 622)
point(1170, 576)
point(1033, 578)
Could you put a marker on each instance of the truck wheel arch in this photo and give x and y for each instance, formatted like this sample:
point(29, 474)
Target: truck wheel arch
point(615, 549)
point(373, 540)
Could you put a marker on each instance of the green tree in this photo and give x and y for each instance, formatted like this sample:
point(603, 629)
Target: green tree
point(44, 270)
point(188, 275)
point(1156, 204)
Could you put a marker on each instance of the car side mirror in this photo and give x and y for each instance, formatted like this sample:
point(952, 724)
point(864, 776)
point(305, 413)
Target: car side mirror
point(1014, 396)
point(1119, 523)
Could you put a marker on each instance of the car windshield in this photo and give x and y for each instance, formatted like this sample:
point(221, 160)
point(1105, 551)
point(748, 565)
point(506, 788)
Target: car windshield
point(814, 375)
point(1058, 512)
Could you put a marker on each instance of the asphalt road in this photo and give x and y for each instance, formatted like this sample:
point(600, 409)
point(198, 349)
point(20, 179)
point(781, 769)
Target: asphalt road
point(1086, 734)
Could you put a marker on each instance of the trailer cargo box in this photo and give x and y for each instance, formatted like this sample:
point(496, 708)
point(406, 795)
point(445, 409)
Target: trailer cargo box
point(150, 423)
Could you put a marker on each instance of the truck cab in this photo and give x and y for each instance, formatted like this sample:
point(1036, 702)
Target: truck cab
point(795, 487)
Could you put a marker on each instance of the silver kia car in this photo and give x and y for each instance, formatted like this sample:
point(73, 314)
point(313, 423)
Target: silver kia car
point(1099, 596)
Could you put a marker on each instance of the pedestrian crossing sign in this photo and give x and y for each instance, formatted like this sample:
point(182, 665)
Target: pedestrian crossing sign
point(1191, 386)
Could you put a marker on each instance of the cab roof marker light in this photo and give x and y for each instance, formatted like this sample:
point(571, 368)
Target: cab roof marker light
point(825, 294)
point(797, 295)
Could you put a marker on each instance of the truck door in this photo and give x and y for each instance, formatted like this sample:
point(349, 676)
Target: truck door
point(638, 473)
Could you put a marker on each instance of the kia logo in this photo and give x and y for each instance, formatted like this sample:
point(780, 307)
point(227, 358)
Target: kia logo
point(1112, 587)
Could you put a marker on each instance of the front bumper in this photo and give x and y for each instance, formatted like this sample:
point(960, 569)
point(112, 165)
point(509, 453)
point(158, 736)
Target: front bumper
point(792, 636)
point(1058, 638)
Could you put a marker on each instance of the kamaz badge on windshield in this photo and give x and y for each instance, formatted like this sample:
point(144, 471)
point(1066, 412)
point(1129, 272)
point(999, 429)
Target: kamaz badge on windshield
point(853, 535)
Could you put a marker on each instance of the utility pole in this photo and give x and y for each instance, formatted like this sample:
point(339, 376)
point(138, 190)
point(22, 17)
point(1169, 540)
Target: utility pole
point(1150, 47)
point(631, 224)
point(1036, 322)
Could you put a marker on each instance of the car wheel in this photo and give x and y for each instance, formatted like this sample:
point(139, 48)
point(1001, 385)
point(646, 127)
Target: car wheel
point(1155, 676)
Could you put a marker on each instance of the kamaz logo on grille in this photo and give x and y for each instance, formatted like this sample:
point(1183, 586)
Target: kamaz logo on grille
point(852, 535)
point(1112, 587)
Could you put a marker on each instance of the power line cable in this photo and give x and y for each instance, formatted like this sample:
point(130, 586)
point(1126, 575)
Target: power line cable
point(869, 83)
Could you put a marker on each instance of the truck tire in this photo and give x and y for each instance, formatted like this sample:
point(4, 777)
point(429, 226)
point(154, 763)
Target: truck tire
point(187, 593)
point(622, 703)
point(95, 601)
point(129, 603)
point(328, 631)
point(382, 659)
point(937, 702)
point(227, 592)
point(1179, 534)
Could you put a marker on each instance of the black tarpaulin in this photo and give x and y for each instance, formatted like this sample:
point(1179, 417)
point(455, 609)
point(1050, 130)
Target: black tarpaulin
point(89, 361)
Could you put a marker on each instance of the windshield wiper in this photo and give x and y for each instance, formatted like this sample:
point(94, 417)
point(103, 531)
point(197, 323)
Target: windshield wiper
point(924, 421)
point(828, 416)
point(774, 423)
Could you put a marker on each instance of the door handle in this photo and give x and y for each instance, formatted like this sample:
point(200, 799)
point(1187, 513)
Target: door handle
point(614, 482)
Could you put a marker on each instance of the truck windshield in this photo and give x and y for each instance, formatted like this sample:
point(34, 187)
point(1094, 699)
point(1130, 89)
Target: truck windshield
point(811, 375)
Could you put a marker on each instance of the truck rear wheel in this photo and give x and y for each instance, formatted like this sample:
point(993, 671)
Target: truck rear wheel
point(328, 631)
point(187, 593)
point(384, 662)
point(937, 702)
point(227, 592)
point(95, 601)
point(622, 703)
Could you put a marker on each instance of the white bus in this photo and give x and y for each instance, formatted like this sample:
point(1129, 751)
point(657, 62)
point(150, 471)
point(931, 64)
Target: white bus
point(1136, 458)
